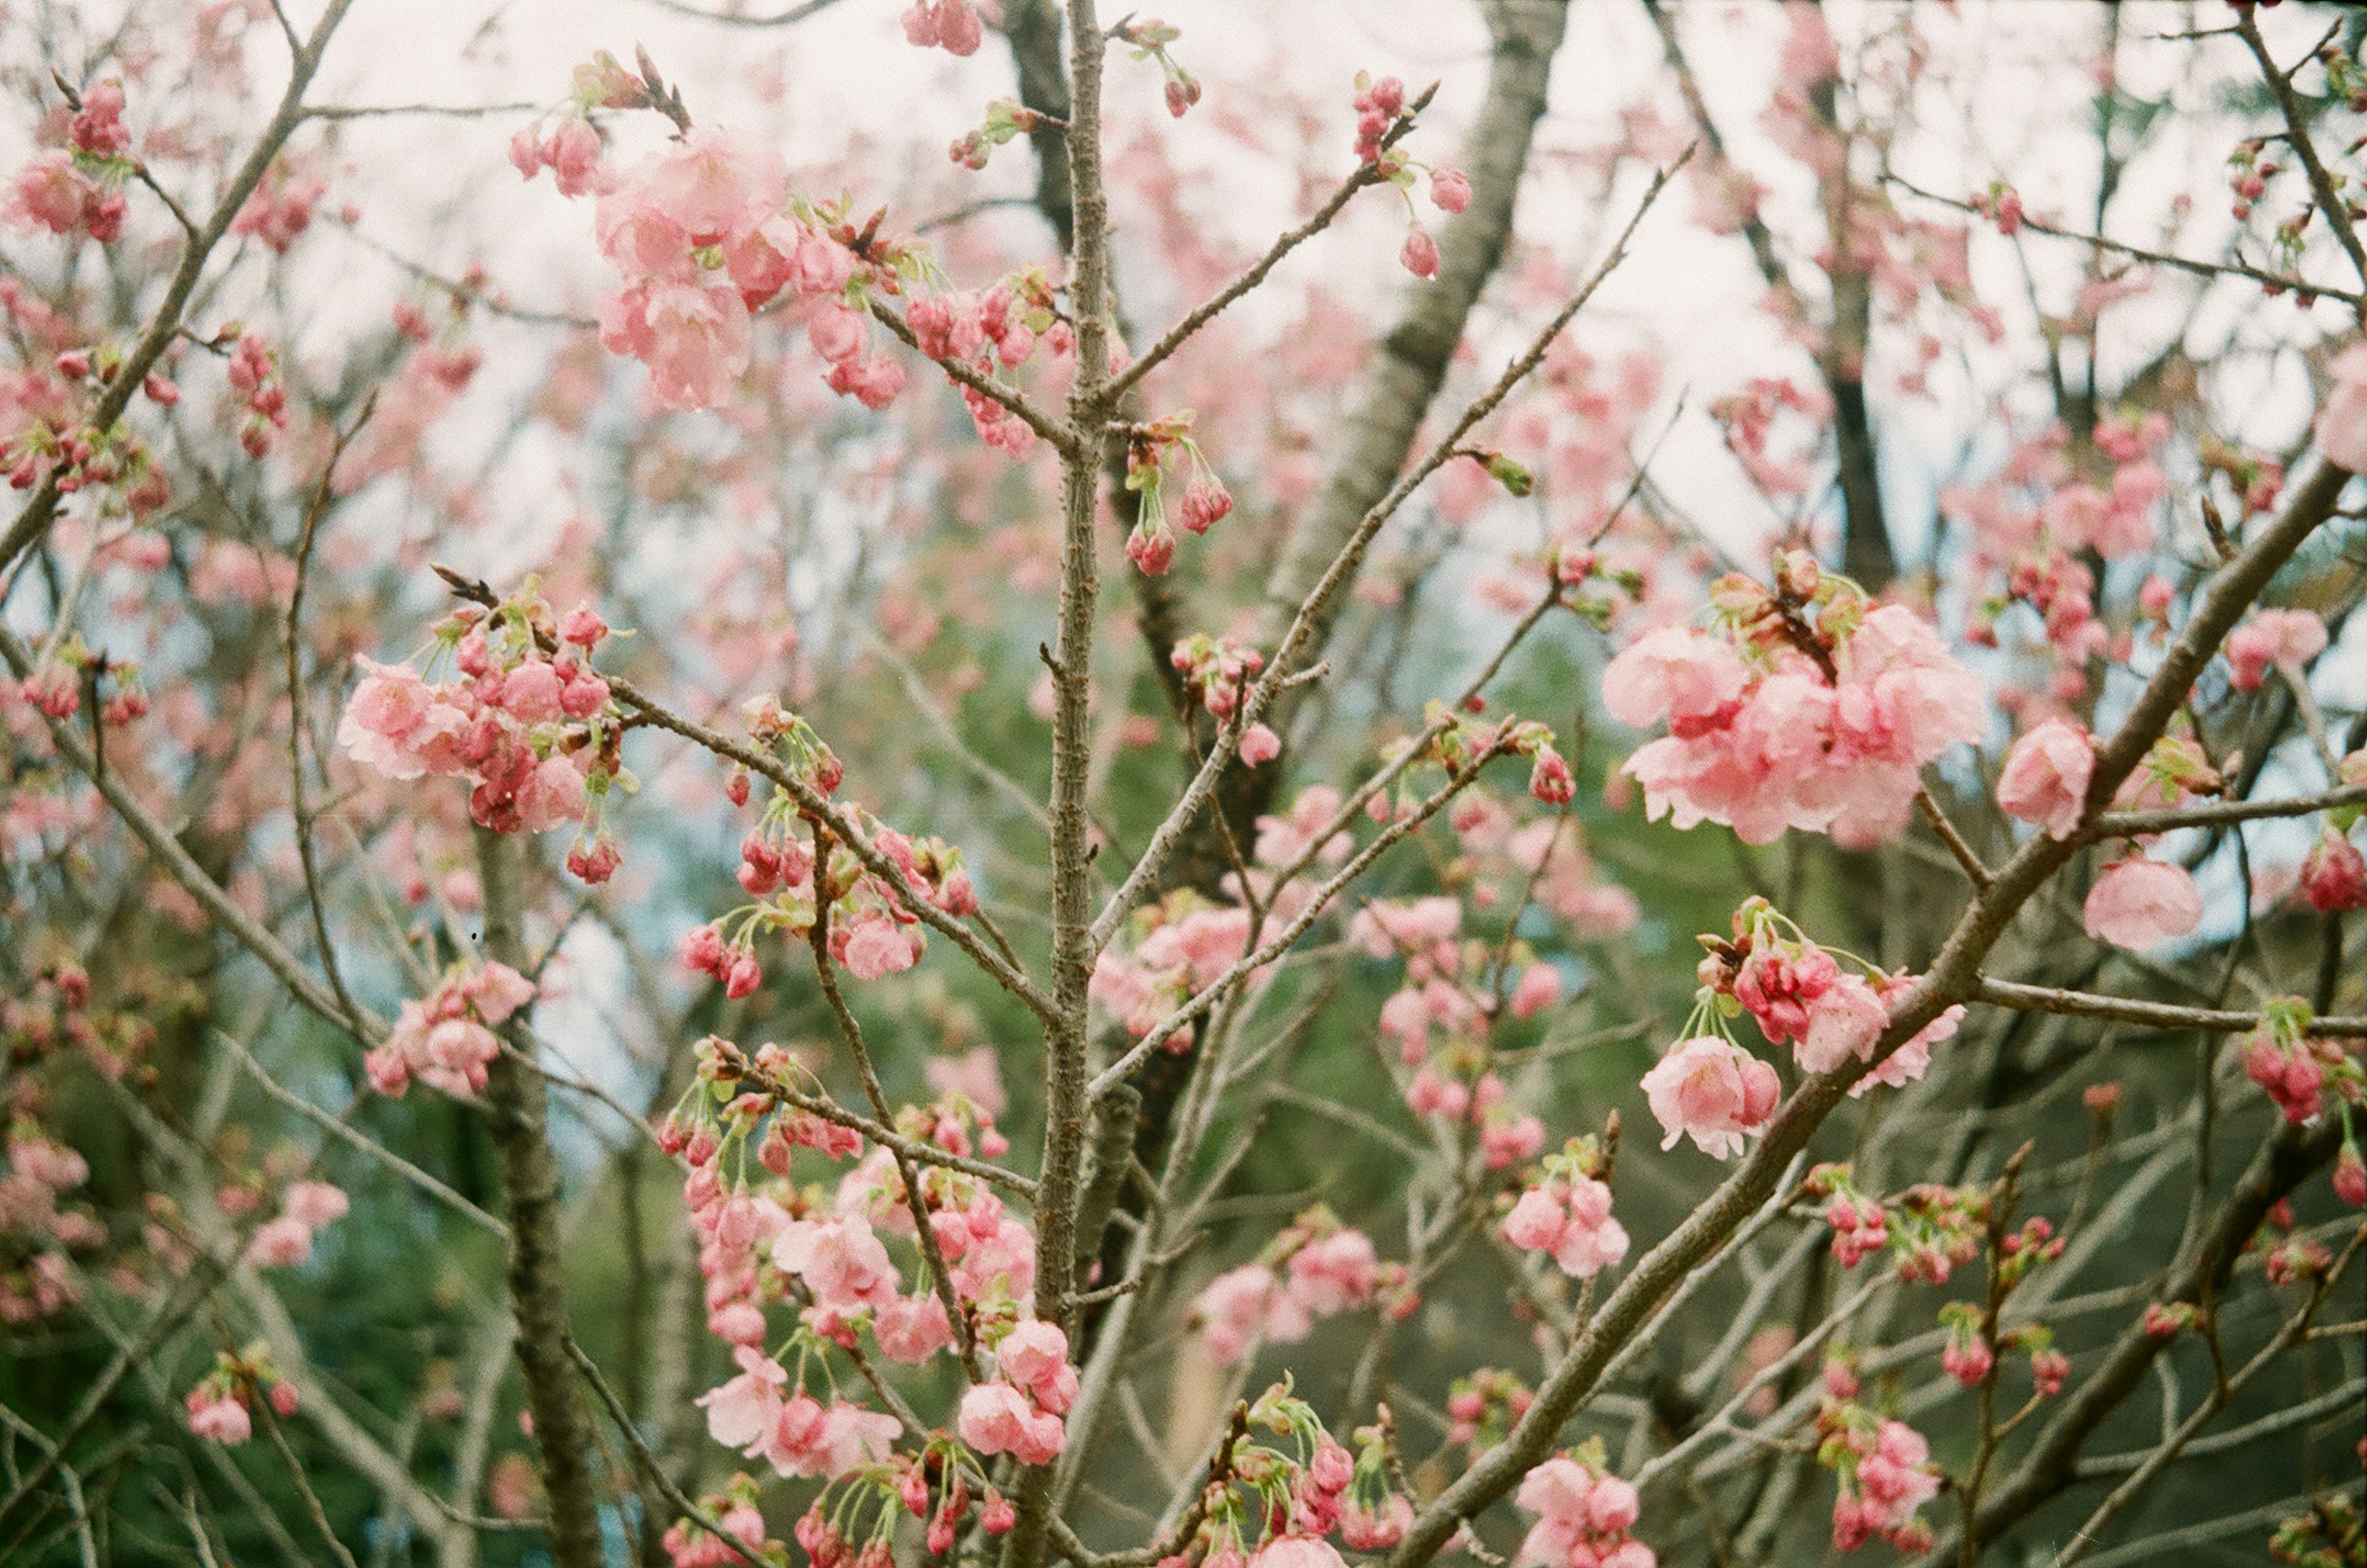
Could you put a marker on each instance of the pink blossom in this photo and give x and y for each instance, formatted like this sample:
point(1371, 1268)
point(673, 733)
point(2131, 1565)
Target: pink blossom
point(997, 1418)
point(552, 793)
point(2046, 776)
point(1258, 744)
point(2286, 638)
point(2342, 427)
point(1712, 1090)
point(1451, 189)
point(222, 1420)
point(2141, 903)
point(741, 1412)
point(2333, 873)
point(1843, 1023)
point(912, 1329)
point(1420, 254)
point(1296, 1551)
point(279, 1244)
point(1671, 673)
point(879, 946)
point(1539, 987)
point(840, 1260)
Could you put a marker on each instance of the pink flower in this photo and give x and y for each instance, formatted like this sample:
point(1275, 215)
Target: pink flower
point(1671, 673)
point(840, 1260)
point(1844, 1023)
point(1420, 254)
point(741, 1412)
point(2286, 638)
point(2140, 903)
point(2333, 873)
point(316, 1205)
point(1712, 1090)
point(279, 1244)
point(1451, 189)
point(879, 946)
point(1296, 1551)
point(911, 1329)
point(1258, 744)
point(223, 1420)
point(2046, 775)
point(1035, 1356)
point(997, 1418)
point(2342, 427)
point(552, 794)
point(1539, 987)
point(694, 338)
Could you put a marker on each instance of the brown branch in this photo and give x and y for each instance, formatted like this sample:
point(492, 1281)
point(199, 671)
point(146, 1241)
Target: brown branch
point(516, 1112)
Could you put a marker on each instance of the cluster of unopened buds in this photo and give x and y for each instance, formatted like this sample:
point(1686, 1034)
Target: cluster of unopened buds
point(872, 931)
point(1583, 1514)
point(689, 1544)
point(1861, 1225)
point(90, 458)
point(2295, 1261)
point(1970, 1354)
point(1006, 121)
point(254, 374)
point(1568, 1214)
point(998, 326)
point(2297, 1070)
point(220, 1407)
point(2333, 873)
point(1316, 1269)
point(1884, 1468)
point(1807, 706)
point(447, 1039)
point(527, 721)
point(1937, 1230)
point(306, 1209)
point(78, 188)
point(56, 688)
point(38, 1228)
point(1151, 544)
point(2002, 204)
point(1215, 673)
point(1148, 37)
point(1483, 1407)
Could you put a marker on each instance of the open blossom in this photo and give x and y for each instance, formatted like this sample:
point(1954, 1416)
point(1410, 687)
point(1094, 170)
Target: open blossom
point(1712, 1090)
point(1784, 747)
point(2286, 638)
point(2141, 903)
point(2045, 777)
point(222, 1420)
point(2341, 427)
point(1571, 1220)
point(998, 1418)
point(1582, 1518)
point(1844, 1023)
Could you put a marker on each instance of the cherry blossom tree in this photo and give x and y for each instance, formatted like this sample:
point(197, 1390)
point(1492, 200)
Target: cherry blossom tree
point(792, 848)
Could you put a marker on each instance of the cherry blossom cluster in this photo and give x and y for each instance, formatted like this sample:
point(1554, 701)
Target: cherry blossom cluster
point(78, 188)
point(1019, 1411)
point(55, 689)
point(220, 1407)
point(1568, 1214)
point(733, 1506)
point(1450, 987)
point(447, 1039)
point(950, 25)
point(1175, 947)
point(1807, 706)
point(1148, 37)
point(2297, 1070)
point(55, 1011)
point(525, 719)
point(1316, 1269)
point(1884, 1467)
point(40, 1279)
point(1583, 1514)
point(281, 208)
point(306, 1209)
point(79, 457)
point(1969, 1356)
point(1151, 544)
point(872, 931)
point(1483, 1407)
point(1859, 1223)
